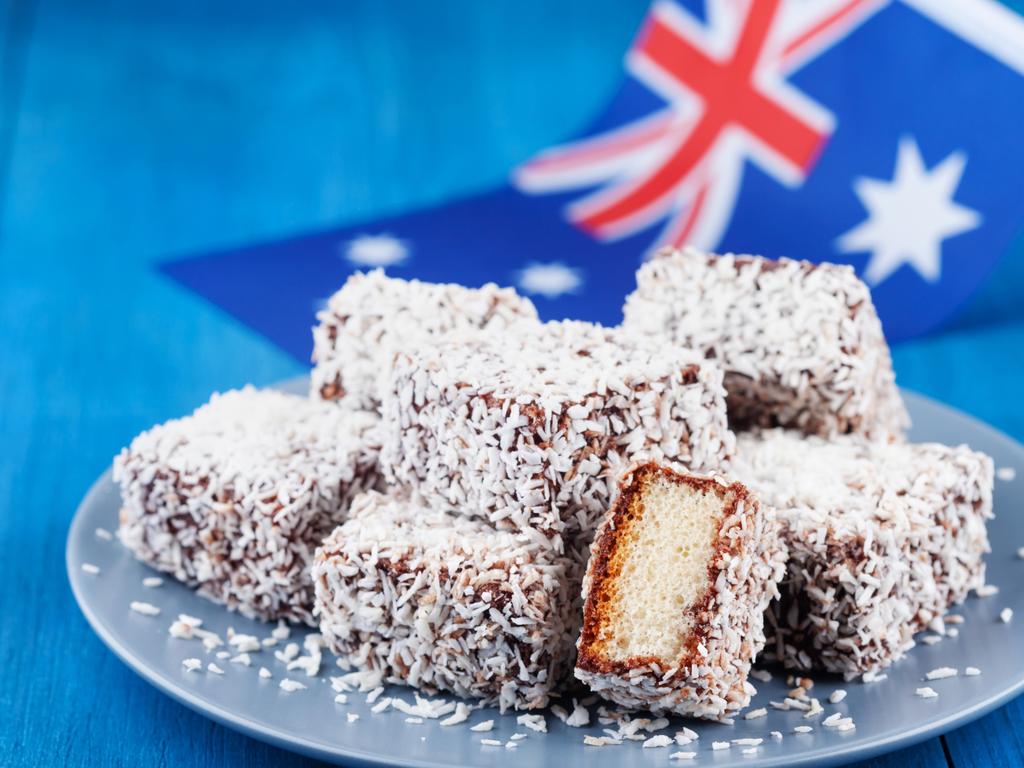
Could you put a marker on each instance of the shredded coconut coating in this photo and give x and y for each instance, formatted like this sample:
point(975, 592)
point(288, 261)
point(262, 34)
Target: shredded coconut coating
point(709, 679)
point(446, 603)
point(883, 538)
point(530, 430)
point(374, 316)
point(801, 344)
point(235, 498)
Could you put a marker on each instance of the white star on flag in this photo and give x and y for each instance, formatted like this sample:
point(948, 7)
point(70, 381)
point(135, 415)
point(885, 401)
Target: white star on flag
point(550, 280)
point(910, 216)
point(376, 250)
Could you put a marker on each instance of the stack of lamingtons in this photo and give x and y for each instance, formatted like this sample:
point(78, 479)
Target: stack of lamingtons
point(474, 501)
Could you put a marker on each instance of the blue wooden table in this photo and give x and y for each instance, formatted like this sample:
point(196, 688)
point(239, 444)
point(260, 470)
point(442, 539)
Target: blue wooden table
point(132, 131)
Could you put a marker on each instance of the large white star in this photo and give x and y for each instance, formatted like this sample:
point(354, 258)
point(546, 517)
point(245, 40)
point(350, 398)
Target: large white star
point(550, 280)
point(376, 250)
point(910, 216)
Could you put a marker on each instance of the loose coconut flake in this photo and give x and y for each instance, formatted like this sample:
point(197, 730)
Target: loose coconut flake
point(146, 609)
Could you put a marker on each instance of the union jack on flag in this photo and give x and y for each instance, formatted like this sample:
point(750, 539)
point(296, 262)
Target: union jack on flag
point(877, 133)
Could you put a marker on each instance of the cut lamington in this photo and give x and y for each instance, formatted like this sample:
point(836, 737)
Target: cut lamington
point(882, 539)
point(801, 344)
point(530, 430)
point(235, 498)
point(680, 574)
point(374, 316)
point(446, 602)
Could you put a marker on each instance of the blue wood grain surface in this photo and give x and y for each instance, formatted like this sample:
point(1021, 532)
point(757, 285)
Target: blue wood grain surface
point(131, 131)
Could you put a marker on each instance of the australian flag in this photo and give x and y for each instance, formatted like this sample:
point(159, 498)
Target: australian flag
point(885, 135)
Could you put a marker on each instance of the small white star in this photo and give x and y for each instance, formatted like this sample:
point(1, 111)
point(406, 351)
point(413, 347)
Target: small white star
point(910, 216)
point(549, 280)
point(376, 250)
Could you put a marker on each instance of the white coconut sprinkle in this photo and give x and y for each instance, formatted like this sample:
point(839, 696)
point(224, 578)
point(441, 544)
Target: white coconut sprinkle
point(352, 717)
point(265, 673)
point(987, 590)
point(146, 609)
point(926, 692)
point(414, 720)
point(90, 568)
point(658, 741)
point(814, 710)
point(211, 667)
point(846, 726)
point(682, 756)
point(308, 664)
point(777, 735)
point(533, 722)
point(689, 733)
point(941, 673)
point(373, 695)
point(290, 686)
point(836, 696)
point(484, 727)
point(490, 742)
point(1006, 615)
point(802, 729)
point(749, 751)
point(192, 665)
point(873, 676)
point(761, 674)
point(268, 642)
point(600, 741)
point(382, 706)
point(837, 721)
point(461, 715)
point(717, 745)
point(747, 742)
point(223, 655)
point(243, 643)
point(281, 632)
point(288, 654)
point(1006, 473)
point(580, 716)
point(243, 658)
point(931, 639)
point(755, 713)
point(152, 582)
point(972, 672)
point(103, 533)
point(517, 736)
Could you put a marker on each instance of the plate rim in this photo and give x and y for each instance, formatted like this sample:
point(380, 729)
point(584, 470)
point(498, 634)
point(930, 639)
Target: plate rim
point(837, 754)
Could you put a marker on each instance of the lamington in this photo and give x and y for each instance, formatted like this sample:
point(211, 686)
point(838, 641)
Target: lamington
point(446, 602)
point(882, 539)
point(530, 430)
point(680, 574)
point(374, 316)
point(235, 498)
point(801, 344)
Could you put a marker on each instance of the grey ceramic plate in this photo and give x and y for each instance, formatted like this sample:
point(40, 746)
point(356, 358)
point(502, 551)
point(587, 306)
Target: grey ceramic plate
point(887, 713)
